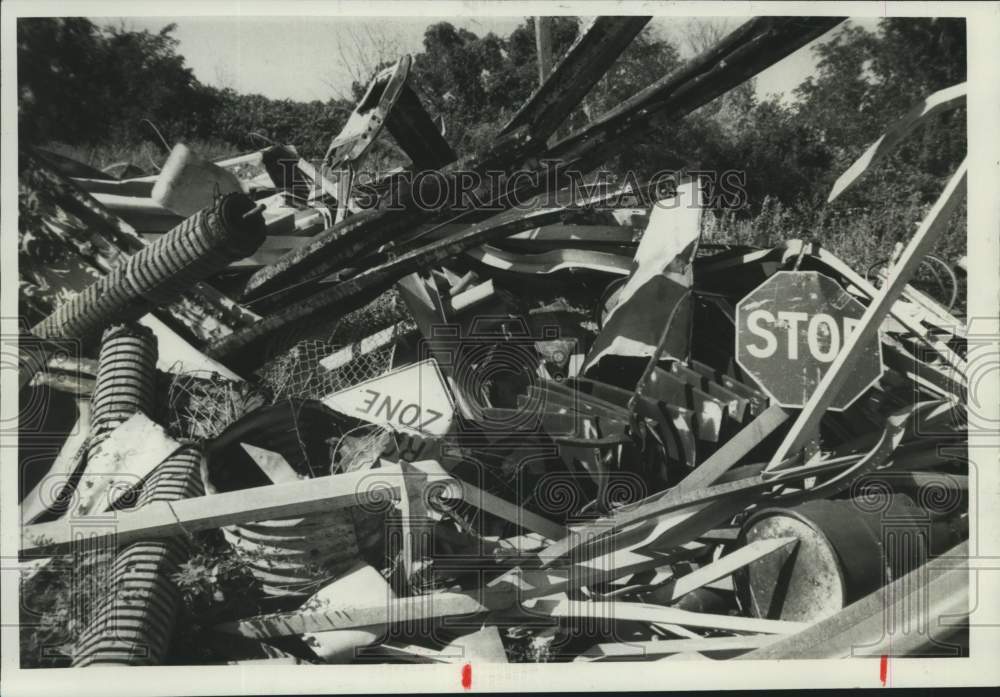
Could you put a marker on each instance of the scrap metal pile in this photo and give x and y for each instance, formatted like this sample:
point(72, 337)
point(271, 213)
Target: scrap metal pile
point(530, 429)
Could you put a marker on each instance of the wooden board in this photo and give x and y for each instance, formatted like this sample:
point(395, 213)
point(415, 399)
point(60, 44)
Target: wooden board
point(934, 596)
point(931, 229)
point(641, 649)
point(695, 489)
point(161, 519)
point(70, 459)
point(646, 612)
point(725, 566)
point(943, 100)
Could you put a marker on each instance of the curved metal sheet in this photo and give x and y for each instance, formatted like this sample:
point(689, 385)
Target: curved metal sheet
point(369, 116)
point(552, 261)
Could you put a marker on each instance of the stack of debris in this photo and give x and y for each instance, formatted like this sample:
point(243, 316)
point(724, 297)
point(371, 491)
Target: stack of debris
point(537, 428)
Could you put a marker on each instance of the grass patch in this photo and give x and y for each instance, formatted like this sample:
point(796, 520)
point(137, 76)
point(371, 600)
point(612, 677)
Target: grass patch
point(861, 237)
point(145, 155)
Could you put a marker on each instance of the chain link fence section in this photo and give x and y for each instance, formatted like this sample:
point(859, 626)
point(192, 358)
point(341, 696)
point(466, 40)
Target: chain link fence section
point(202, 404)
point(297, 372)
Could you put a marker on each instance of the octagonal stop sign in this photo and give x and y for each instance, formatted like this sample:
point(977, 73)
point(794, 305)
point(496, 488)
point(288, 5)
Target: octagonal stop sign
point(791, 327)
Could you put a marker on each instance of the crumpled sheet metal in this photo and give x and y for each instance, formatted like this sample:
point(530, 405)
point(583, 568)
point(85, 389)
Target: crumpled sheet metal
point(660, 278)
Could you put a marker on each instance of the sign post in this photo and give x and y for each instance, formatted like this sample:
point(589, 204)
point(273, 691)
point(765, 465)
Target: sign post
point(790, 329)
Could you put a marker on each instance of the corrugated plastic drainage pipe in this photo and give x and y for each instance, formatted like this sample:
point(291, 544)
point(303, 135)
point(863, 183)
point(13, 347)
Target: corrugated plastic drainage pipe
point(160, 273)
point(126, 378)
point(133, 622)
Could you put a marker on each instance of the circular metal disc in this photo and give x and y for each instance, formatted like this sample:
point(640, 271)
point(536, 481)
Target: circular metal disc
point(801, 583)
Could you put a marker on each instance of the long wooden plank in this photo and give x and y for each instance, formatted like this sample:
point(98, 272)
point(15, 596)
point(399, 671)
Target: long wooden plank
point(887, 621)
point(735, 449)
point(640, 649)
point(421, 608)
point(295, 498)
point(510, 512)
point(694, 484)
point(657, 614)
point(726, 565)
point(866, 331)
point(177, 518)
point(69, 460)
point(943, 100)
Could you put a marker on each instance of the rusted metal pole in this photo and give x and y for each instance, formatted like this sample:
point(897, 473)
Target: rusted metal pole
point(759, 43)
point(543, 43)
point(584, 63)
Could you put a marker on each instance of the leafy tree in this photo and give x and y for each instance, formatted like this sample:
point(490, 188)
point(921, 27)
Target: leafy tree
point(477, 83)
point(866, 81)
point(308, 126)
point(58, 68)
point(79, 83)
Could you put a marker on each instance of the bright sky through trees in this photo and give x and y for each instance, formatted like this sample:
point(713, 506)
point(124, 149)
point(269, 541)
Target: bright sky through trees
point(302, 57)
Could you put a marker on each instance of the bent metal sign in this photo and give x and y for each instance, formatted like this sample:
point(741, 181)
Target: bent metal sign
point(790, 328)
point(413, 398)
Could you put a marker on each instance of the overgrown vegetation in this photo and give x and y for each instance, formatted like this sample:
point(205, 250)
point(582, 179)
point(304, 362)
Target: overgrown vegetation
point(89, 88)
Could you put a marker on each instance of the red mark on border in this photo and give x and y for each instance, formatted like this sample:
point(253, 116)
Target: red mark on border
point(883, 668)
point(467, 676)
